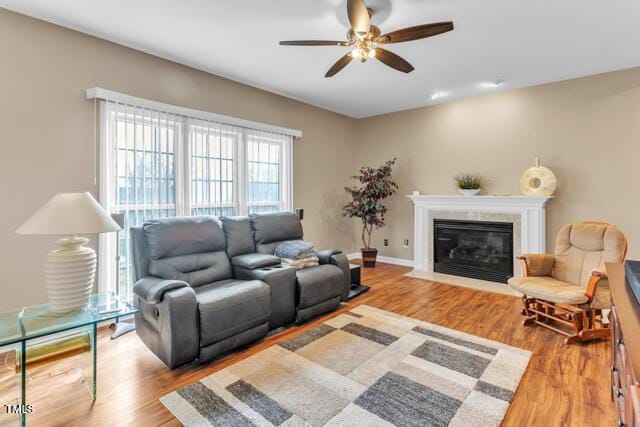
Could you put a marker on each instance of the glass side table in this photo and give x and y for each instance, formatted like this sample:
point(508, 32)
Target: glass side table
point(35, 333)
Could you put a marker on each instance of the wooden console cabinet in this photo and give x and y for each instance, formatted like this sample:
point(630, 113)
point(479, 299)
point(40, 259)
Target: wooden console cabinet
point(625, 345)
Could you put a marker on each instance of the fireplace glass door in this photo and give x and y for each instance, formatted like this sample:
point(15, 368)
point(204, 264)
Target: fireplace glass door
point(476, 249)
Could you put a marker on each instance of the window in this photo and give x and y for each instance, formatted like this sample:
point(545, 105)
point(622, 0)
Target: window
point(213, 189)
point(139, 156)
point(157, 164)
point(264, 177)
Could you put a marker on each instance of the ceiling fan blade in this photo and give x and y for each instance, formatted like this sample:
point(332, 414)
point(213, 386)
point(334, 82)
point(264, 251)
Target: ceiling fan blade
point(338, 66)
point(416, 33)
point(392, 60)
point(313, 43)
point(358, 16)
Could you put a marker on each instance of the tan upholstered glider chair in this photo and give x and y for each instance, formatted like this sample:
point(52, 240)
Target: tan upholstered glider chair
point(567, 292)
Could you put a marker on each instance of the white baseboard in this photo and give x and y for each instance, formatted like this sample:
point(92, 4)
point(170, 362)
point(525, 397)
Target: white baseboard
point(386, 259)
point(396, 261)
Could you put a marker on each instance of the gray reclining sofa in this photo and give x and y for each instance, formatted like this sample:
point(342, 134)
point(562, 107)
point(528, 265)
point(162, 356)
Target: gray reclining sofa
point(207, 285)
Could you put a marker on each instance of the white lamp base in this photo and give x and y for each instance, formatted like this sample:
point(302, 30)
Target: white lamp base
point(69, 274)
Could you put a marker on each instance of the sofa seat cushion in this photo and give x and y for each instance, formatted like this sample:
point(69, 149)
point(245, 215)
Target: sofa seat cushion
point(229, 307)
point(254, 261)
point(549, 289)
point(318, 284)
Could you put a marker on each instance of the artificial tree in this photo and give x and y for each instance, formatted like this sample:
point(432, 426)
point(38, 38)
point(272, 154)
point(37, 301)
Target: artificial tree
point(366, 203)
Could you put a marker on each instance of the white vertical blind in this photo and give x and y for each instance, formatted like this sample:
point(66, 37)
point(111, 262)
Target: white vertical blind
point(137, 177)
point(157, 163)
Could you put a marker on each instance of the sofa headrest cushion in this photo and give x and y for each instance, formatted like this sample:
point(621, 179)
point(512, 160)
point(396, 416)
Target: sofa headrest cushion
point(237, 231)
point(275, 227)
point(169, 237)
point(588, 236)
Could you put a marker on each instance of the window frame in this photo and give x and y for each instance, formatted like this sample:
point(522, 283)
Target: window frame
point(279, 204)
point(236, 159)
point(182, 171)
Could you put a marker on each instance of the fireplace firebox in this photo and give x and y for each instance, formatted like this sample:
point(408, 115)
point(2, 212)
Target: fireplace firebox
point(476, 249)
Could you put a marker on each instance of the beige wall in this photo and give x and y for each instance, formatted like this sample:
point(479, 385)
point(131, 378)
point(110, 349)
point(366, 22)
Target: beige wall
point(586, 130)
point(47, 134)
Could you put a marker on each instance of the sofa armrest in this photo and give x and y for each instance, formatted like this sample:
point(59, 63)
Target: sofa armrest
point(254, 260)
point(169, 328)
point(340, 260)
point(537, 264)
point(594, 280)
point(152, 289)
point(325, 255)
point(282, 282)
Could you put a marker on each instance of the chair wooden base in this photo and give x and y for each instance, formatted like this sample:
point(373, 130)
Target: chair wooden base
point(578, 323)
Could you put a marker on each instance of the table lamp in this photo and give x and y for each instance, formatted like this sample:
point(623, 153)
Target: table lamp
point(70, 269)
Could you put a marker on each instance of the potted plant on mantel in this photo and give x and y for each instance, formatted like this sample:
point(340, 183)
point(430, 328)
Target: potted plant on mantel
point(468, 184)
point(366, 204)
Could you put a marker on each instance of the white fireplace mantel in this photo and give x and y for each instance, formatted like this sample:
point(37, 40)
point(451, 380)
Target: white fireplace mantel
point(528, 213)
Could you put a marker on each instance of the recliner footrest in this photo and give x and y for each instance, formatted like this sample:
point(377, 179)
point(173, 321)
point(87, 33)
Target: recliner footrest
point(230, 308)
point(304, 314)
point(318, 284)
point(212, 351)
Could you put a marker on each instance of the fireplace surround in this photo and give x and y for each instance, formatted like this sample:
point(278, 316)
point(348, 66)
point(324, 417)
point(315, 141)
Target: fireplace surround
point(526, 214)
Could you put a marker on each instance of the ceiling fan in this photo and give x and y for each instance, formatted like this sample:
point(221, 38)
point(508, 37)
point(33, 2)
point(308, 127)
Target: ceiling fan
point(366, 39)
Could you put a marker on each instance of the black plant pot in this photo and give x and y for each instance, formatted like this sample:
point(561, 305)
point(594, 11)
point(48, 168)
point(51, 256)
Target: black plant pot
point(369, 257)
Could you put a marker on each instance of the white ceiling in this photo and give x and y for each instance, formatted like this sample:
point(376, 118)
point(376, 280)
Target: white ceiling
point(523, 42)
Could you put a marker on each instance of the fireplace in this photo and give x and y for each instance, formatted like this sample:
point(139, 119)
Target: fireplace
point(476, 249)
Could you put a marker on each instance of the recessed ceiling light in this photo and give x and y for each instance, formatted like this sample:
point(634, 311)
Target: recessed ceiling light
point(437, 95)
point(493, 84)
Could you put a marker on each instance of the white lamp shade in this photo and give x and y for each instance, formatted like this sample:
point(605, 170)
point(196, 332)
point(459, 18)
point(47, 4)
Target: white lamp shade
point(69, 214)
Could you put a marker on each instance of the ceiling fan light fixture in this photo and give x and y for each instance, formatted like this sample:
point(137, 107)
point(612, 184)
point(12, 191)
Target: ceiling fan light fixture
point(492, 85)
point(437, 95)
point(363, 53)
point(365, 39)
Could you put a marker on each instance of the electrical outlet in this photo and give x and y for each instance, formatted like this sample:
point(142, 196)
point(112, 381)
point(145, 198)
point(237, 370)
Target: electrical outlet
point(405, 243)
point(386, 242)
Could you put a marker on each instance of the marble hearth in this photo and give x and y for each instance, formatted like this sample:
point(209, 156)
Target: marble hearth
point(527, 214)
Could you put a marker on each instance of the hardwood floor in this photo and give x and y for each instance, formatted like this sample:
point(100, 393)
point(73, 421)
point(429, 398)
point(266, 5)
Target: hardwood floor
point(562, 386)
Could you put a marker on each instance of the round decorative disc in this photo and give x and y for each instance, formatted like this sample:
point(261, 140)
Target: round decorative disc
point(538, 181)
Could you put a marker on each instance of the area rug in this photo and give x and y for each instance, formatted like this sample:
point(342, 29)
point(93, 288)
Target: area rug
point(366, 367)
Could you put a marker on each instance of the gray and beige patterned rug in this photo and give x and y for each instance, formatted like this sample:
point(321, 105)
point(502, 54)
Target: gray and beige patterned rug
point(367, 367)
